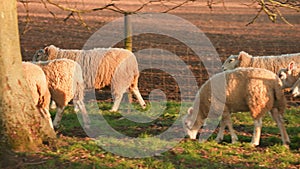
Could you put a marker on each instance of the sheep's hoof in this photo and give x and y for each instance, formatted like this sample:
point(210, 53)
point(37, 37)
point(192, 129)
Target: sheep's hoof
point(144, 106)
point(253, 145)
point(286, 146)
point(113, 110)
point(234, 141)
point(218, 140)
point(55, 127)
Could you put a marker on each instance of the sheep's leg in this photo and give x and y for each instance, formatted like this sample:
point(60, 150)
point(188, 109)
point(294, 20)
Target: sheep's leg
point(129, 95)
point(46, 114)
point(226, 121)
point(234, 137)
point(139, 97)
point(58, 116)
point(277, 117)
point(79, 105)
point(117, 101)
point(220, 135)
point(257, 131)
point(52, 104)
point(192, 133)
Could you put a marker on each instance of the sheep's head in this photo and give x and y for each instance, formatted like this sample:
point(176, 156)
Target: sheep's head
point(234, 61)
point(43, 54)
point(39, 55)
point(296, 89)
point(188, 124)
point(289, 75)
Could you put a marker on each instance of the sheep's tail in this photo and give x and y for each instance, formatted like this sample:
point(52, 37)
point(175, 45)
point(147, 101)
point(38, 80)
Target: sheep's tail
point(279, 99)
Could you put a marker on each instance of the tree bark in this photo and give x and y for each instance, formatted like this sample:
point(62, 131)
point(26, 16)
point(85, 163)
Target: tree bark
point(22, 127)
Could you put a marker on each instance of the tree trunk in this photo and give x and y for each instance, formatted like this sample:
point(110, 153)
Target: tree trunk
point(22, 128)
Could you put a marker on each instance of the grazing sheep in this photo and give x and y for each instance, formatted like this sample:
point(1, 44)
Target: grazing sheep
point(296, 88)
point(246, 89)
point(272, 63)
point(65, 83)
point(38, 86)
point(290, 78)
point(289, 75)
point(102, 67)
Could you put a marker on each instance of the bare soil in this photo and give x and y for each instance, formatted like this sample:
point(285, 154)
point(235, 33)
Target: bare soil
point(225, 26)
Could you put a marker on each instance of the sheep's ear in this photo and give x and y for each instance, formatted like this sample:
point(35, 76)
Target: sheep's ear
point(50, 50)
point(243, 55)
point(291, 65)
point(46, 49)
point(190, 111)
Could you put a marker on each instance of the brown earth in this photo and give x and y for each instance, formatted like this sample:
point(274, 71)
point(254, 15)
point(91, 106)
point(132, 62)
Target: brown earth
point(225, 26)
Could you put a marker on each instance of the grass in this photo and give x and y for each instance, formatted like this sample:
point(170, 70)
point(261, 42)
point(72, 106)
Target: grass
point(75, 150)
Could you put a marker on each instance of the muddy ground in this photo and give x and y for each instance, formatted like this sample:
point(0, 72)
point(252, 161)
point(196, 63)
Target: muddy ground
point(225, 26)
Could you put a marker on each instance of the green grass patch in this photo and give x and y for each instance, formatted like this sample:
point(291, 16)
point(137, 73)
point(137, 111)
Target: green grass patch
point(74, 149)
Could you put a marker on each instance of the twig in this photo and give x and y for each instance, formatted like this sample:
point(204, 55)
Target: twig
point(177, 6)
point(25, 5)
point(256, 16)
point(283, 18)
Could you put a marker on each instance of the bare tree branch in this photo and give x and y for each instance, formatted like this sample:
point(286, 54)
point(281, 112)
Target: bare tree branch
point(177, 6)
point(76, 13)
point(25, 5)
point(272, 8)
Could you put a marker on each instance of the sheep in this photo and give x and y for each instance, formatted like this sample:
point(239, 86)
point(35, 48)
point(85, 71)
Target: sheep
point(65, 83)
point(102, 67)
point(296, 89)
point(246, 89)
point(290, 77)
point(38, 86)
point(272, 63)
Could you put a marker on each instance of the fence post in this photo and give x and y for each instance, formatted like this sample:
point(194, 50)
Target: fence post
point(128, 32)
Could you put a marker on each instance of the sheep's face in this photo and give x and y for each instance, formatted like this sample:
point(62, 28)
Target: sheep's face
point(40, 55)
point(296, 89)
point(231, 63)
point(289, 75)
point(188, 124)
point(234, 61)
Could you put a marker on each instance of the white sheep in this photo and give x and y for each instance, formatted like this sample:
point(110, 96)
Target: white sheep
point(296, 88)
point(246, 89)
point(102, 67)
point(290, 77)
point(38, 86)
point(65, 83)
point(272, 63)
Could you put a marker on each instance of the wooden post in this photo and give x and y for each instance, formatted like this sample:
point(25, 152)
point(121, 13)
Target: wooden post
point(128, 32)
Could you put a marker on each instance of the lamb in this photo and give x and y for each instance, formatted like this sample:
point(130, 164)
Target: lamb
point(272, 63)
point(39, 88)
point(102, 67)
point(65, 83)
point(290, 77)
point(246, 89)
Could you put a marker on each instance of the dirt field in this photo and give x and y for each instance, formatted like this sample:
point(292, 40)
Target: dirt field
point(224, 26)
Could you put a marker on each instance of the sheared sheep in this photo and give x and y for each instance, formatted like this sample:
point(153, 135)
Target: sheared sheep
point(38, 86)
point(290, 78)
point(102, 67)
point(246, 89)
point(65, 83)
point(272, 63)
